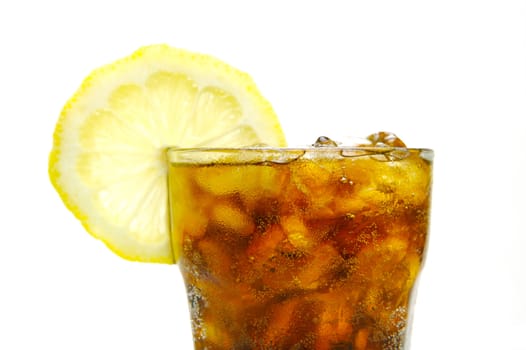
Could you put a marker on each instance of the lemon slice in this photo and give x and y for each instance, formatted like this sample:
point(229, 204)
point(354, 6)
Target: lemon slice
point(107, 161)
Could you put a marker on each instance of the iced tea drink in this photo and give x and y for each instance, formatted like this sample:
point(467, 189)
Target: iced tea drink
point(315, 248)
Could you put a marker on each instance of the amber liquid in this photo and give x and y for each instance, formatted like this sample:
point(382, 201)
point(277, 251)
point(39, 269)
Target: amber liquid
point(311, 254)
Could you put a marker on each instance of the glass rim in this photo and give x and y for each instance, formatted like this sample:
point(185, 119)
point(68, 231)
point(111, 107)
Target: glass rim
point(251, 155)
point(375, 149)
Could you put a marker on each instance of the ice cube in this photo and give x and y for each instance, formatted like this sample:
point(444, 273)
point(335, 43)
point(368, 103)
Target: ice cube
point(265, 245)
point(293, 324)
point(297, 232)
point(216, 260)
point(318, 184)
point(227, 215)
point(324, 141)
point(335, 319)
point(395, 148)
point(385, 138)
point(280, 320)
point(247, 179)
point(323, 261)
point(360, 341)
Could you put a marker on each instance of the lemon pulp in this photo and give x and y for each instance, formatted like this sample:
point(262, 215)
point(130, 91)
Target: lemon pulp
point(107, 161)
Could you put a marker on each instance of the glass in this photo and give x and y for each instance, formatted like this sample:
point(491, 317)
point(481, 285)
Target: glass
point(314, 248)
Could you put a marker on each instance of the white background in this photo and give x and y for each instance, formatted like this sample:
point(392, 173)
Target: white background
point(448, 75)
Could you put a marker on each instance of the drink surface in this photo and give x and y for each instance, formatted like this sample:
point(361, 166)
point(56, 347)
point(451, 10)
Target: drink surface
point(317, 251)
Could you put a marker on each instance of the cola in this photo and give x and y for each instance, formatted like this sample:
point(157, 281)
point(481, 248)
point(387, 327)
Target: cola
point(312, 248)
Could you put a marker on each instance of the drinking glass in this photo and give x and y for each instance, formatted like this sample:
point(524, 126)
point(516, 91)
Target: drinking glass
point(300, 248)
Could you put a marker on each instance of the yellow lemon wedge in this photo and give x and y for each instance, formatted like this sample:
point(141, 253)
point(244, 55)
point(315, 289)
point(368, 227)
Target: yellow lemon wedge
point(107, 161)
